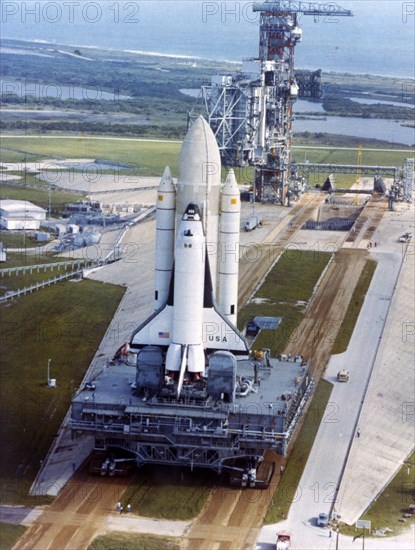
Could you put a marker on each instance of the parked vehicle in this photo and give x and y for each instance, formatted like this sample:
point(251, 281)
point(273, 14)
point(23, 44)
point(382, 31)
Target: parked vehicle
point(343, 375)
point(252, 222)
point(323, 519)
point(283, 540)
point(405, 237)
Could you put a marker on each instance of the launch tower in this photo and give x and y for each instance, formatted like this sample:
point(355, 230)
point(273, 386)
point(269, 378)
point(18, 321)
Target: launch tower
point(251, 112)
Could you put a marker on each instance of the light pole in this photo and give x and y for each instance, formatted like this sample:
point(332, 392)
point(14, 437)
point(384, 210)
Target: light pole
point(49, 201)
point(49, 372)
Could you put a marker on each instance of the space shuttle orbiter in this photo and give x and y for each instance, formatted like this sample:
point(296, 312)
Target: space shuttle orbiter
point(197, 259)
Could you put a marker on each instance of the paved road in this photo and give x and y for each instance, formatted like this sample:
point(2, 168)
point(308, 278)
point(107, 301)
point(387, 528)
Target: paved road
point(18, 515)
point(318, 485)
point(321, 540)
point(322, 474)
point(386, 422)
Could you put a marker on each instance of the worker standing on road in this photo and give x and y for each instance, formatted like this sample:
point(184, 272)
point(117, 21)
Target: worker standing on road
point(358, 432)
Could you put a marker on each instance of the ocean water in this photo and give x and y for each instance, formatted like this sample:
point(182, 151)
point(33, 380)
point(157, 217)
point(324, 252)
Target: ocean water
point(378, 39)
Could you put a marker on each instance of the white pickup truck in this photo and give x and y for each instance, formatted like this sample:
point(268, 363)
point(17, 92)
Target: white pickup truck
point(283, 540)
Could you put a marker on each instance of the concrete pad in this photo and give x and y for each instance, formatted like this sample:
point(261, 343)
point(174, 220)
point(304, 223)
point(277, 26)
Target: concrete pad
point(271, 215)
point(96, 182)
point(61, 462)
point(319, 241)
point(4, 178)
point(136, 524)
point(133, 198)
point(32, 516)
point(387, 417)
point(19, 515)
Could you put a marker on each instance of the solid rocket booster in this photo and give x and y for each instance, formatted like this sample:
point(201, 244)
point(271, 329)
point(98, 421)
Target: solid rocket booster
point(165, 229)
point(228, 265)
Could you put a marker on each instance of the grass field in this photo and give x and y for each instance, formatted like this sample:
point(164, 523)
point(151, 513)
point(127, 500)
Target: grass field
point(30, 257)
point(356, 303)
point(289, 488)
point(132, 541)
point(151, 156)
point(387, 510)
point(20, 281)
point(19, 239)
point(66, 324)
point(39, 196)
point(343, 156)
point(285, 293)
point(9, 535)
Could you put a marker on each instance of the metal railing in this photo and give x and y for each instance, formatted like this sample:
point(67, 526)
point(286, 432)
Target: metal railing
point(37, 286)
point(37, 268)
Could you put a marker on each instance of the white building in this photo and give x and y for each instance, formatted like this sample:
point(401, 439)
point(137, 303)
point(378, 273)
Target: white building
point(20, 215)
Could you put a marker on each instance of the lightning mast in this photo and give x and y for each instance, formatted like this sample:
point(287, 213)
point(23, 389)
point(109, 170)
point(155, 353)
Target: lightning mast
point(251, 112)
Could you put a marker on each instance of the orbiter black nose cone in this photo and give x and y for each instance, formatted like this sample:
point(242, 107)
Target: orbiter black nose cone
point(192, 212)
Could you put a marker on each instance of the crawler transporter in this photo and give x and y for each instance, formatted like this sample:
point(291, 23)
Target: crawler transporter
point(195, 394)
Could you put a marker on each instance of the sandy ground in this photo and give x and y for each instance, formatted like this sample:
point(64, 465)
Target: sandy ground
point(79, 512)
